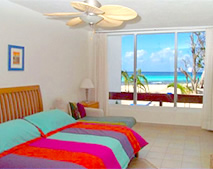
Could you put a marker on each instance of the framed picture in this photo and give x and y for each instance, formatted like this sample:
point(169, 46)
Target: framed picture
point(16, 57)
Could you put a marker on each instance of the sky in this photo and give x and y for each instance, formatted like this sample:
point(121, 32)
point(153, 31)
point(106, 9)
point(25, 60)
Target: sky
point(155, 52)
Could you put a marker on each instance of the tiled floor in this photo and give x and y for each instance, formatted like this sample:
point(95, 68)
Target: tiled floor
point(175, 146)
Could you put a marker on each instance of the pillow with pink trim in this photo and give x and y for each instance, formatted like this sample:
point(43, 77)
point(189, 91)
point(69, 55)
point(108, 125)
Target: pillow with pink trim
point(82, 110)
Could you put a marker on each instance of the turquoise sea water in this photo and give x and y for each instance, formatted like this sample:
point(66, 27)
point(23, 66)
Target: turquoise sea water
point(163, 77)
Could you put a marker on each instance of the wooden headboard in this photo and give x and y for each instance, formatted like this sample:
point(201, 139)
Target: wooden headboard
point(18, 102)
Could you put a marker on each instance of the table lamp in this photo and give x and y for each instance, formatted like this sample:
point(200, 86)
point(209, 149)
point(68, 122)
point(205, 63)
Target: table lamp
point(86, 84)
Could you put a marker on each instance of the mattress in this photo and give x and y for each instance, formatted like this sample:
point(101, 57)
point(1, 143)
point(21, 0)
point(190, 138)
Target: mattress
point(128, 121)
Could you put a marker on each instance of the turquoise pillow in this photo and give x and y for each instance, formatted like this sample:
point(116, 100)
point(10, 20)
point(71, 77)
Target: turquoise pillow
point(51, 120)
point(16, 132)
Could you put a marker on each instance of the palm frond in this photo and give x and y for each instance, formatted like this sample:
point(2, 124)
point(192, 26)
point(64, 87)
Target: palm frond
point(182, 88)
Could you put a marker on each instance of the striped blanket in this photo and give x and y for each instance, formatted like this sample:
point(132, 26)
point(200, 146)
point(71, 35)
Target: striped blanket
point(79, 145)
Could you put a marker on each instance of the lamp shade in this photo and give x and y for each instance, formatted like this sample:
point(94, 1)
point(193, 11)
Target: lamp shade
point(86, 84)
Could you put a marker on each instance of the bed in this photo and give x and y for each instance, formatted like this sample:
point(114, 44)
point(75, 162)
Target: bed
point(33, 138)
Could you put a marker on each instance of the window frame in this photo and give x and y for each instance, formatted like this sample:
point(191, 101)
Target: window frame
point(156, 31)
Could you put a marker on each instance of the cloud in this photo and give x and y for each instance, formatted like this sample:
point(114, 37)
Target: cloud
point(184, 56)
point(184, 59)
point(128, 54)
point(140, 61)
point(166, 53)
point(140, 53)
point(189, 69)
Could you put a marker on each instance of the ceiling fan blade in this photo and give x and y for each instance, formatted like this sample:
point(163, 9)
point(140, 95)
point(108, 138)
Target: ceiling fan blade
point(118, 12)
point(74, 21)
point(107, 22)
point(85, 7)
point(64, 14)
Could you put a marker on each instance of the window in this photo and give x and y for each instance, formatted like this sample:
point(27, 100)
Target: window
point(160, 69)
point(155, 65)
point(190, 68)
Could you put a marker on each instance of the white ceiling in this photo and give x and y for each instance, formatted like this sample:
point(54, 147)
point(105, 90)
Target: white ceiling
point(152, 13)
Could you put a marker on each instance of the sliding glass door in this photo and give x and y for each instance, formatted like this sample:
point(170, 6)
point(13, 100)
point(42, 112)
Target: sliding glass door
point(157, 69)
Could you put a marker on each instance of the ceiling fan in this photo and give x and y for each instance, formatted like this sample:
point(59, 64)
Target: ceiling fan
point(93, 13)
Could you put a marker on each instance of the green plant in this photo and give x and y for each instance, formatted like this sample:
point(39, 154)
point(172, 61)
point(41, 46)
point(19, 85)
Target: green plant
point(126, 77)
point(139, 77)
point(183, 89)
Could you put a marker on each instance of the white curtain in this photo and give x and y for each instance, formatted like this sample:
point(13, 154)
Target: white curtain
point(101, 71)
point(207, 121)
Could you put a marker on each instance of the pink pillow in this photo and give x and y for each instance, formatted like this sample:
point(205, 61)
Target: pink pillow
point(81, 109)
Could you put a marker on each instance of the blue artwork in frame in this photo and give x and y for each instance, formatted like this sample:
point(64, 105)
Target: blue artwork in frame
point(16, 58)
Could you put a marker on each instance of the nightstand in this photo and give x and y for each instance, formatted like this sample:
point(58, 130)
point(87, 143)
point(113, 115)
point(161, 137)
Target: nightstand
point(91, 104)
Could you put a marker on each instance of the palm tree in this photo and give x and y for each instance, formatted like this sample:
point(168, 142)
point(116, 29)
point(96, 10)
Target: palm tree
point(139, 83)
point(126, 77)
point(139, 77)
point(183, 89)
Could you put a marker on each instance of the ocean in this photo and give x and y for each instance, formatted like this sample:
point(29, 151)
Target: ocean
point(163, 77)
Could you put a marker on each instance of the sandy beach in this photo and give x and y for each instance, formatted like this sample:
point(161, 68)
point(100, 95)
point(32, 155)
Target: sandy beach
point(152, 88)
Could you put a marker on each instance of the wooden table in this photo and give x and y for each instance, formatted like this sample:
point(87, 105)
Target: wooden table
point(91, 104)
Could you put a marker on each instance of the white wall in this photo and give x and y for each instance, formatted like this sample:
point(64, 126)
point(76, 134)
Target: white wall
point(55, 55)
point(160, 115)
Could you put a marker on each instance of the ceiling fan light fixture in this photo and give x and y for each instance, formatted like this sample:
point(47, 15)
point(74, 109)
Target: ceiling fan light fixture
point(93, 3)
point(86, 7)
point(94, 14)
point(91, 19)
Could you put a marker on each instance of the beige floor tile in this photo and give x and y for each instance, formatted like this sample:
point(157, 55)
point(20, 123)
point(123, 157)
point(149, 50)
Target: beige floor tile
point(165, 132)
point(192, 147)
point(171, 164)
point(164, 139)
point(161, 143)
point(176, 146)
point(206, 143)
point(189, 158)
point(156, 162)
point(141, 163)
point(192, 153)
point(151, 141)
point(158, 149)
point(205, 155)
point(157, 155)
point(170, 156)
point(191, 165)
point(207, 148)
point(172, 150)
point(194, 133)
point(147, 147)
point(193, 138)
point(177, 141)
point(205, 166)
point(178, 137)
point(150, 136)
point(205, 162)
point(143, 153)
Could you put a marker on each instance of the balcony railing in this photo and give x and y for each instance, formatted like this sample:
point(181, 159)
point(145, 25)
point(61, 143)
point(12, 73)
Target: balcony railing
point(157, 97)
